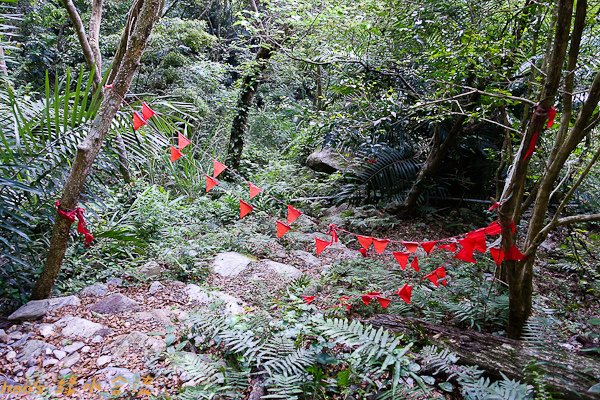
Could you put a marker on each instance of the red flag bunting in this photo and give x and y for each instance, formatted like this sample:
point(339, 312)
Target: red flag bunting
point(405, 293)
point(414, 264)
point(497, 255)
point(493, 229)
point(210, 183)
point(363, 251)
point(432, 276)
point(380, 245)
point(138, 121)
point(366, 299)
point(282, 228)
point(218, 168)
point(478, 239)
point(182, 141)
point(292, 214)
point(411, 247)
point(245, 209)
point(175, 154)
point(147, 112)
point(466, 252)
point(383, 302)
point(441, 274)
point(514, 254)
point(254, 190)
point(428, 246)
point(365, 241)
point(551, 116)
point(451, 247)
point(402, 258)
point(321, 245)
point(308, 299)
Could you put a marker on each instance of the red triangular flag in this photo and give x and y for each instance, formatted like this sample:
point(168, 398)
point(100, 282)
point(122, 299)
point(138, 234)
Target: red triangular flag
point(380, 245)
point(477, 238)
point(383, 302)
point(432, 278)
point(414, 264)
point(405, 293)
point(366, 298)
point(532, 143)
point(175, 154)
point(282, 228)
point(321, 245)
point(441, 274)
point(210, 183)
point(147, 112)
point(402, 258)
point(551, 116)
point(428, 246)
point(363, 251)
point(182, 141)
point(451, 247)
point(138, 121)
point(497, 255)
point(493, 229)
point(292, 214)
point(466, 252)
point(365, 241)
point(514, 254)
point(245, 209)
point(218, 168)
point(308, 299)
point(411, 247)
point(254, 190)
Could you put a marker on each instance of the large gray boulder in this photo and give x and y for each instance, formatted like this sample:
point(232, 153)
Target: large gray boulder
point(75, 327)
point(38, 308)
point(151, 269)
point(230, 264)
point(326, 160)
point(113, 304)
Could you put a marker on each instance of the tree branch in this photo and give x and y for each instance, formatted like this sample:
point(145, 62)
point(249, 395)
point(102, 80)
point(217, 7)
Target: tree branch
point(574, 219)
point(94, 35)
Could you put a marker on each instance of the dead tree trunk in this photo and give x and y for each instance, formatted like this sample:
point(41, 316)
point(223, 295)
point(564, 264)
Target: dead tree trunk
point(248, 90)
point(148, 12)
point(569, 374)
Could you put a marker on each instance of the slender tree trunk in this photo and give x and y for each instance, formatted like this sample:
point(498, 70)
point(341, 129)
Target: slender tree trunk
point(520, 274)
point(123, 161)
point(3, 68)
point(248, 90)
point(90, 147)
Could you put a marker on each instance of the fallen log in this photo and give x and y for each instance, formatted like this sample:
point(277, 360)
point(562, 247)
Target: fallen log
point(568, 375)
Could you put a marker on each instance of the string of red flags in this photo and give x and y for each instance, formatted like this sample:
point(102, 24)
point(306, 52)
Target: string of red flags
point(245, 208)
point(70, 216)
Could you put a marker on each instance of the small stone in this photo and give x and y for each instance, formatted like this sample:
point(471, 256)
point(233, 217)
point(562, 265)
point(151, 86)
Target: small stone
point(30, 372)
point(86, 349)
point(102, 361)
point(11, 355)
point(72, 348)
point(127, 324)
point(15, 335)
point(151, 269)
point(64, 372)
point(71, 360)
point(59, 354)
point(46, 330)
point(115, 282)
point(197, 294)
point(113, 304)
point(156, 287)
point(3, 336)
point(97, 339)
point(33, 348)
point(48, 351)
point(78, 327)
point(230, 264)
point(306, 258)
point(97, 290)
point(284, 270)
point(49, 362)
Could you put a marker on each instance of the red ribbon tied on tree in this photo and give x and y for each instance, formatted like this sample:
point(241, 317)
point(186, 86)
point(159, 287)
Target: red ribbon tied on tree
point(81, 225)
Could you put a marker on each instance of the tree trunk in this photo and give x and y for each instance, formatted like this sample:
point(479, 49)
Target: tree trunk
point(248, 90)
point(91, 145)
point(3, 68)
point(123, 161)
point(569, 374)
point(520, 274)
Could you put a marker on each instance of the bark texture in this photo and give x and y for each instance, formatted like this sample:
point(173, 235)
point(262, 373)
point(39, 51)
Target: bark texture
point(567, 374)
point(91, 145)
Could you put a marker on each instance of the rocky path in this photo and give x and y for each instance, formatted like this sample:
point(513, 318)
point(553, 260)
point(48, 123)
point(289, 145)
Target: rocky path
point(109, 340)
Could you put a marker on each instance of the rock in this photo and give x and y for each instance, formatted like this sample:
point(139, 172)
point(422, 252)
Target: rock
point(326, 160)
point(59, 354)
point(11, 355)
point(230, 263)
point(306, 258)
point(284, 270)
point(160, 315)
point(86, 349)
point(72, 348)
point(47, 330)
point(97, 290)
point(134, 342)
point(38, 308)
point(3, 336)
point(33, 348)
point(71, 360)
point(64, 372)
point(49, 362)
point(97, 339)
point(116, 377)
point(197, 294)
point(156, 287)
point(300, 238)
point(73, 327)
point(151, 269)
point(102, 361)
point(233, 305)
point(30, 372)
point(115, 282)
point(113, 304)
